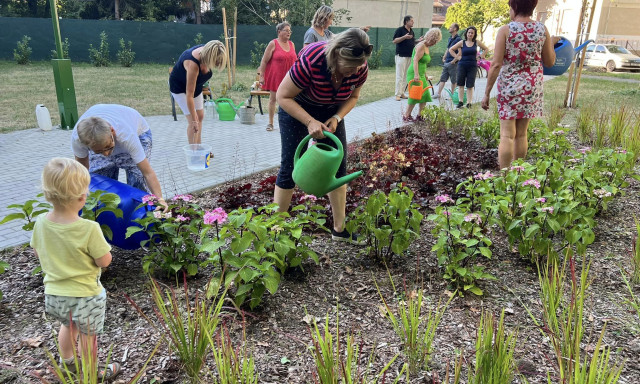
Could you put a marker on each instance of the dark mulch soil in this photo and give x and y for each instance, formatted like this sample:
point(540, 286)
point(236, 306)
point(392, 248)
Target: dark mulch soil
point(278, 332)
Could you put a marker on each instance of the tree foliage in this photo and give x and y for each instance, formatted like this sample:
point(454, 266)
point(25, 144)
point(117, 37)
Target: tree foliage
point(478, 13)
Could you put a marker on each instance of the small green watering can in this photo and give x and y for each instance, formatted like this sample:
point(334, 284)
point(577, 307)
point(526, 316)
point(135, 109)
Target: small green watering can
point(315, 171)
point(226, 109)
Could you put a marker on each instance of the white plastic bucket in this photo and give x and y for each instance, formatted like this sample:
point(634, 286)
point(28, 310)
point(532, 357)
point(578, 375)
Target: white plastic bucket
point(43, 117)
point(198, 156)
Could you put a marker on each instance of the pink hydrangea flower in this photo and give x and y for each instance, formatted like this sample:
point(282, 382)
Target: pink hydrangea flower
point(182, 218)
point(444, 199)
point(584, 150)
point(520, 205)
point(558, 132)
point(483, 176)
point(182, 198)
point(157, 214)
point(600, 193)
point(574, 160)
point(473, 217)
point(218, 216)
point(446, 213)
point(149, 199)
point(623, 151)
point(304, 198)
point(517, 168)
point(541, 200)
point(547, 209)
point(532, 182)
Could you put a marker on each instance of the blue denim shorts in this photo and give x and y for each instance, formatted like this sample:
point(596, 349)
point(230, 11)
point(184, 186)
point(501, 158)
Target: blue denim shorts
point(110, 166)
point(87, 313)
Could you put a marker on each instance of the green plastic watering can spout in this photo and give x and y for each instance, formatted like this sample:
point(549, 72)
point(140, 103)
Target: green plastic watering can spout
point(344, 180)
point(228, 101)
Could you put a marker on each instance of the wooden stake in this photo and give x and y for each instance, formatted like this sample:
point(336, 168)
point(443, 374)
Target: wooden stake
point(577, 86)
point(567, 102)
point(226, 43)
point(235, 42)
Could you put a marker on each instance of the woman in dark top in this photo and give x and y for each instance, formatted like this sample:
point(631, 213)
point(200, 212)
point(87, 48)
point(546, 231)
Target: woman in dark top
point(465, 53)
point(321, 88)
point(187, 77)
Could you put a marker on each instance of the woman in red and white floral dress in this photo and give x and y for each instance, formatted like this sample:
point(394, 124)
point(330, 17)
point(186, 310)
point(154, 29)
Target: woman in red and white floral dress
point(521, 48)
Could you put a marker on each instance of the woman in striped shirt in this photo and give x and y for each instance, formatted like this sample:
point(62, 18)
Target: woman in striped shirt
point(318, 92)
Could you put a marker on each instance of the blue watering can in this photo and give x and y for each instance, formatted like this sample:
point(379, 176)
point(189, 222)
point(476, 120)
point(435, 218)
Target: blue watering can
point(564, 56)
point(130, 199)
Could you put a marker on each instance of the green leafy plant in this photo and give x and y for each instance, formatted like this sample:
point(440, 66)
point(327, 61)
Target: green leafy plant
point(22, 54)
point(555, 115)
point(97, 203)
point(185, 326)
point(375, 61)
point(3, 268)
point(461, 240)
point(585, 122)
point(100, 57)
point(234, 365)
point(336, 364)
point(198, 39)
point(256, 53)
point(633, 302)
point(494, 352)
point(65, 50)
point(489, 132)
point(635, 254)
point(415, 330)
point(175, 238)
point(125, 55)
point(388, 223)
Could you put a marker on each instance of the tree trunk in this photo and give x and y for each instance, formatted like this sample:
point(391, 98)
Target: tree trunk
point(117, 9)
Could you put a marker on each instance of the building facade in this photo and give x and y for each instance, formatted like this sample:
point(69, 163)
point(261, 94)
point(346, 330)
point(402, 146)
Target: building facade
point(385, 13)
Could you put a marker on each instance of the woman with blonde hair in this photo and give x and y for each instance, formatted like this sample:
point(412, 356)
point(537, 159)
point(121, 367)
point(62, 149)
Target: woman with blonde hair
point(193, 69)
point(278, 57)
point(420, 58)
point(319, 30)
point(321, 88)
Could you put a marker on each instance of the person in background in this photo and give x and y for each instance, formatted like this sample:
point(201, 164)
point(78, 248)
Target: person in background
point(321, 88)
point(404, 39)
point(522, 47)
point(418, 69)
point(110, 137)
point(319, 30)
point(450, 68)
point(72, 251)
point(193, 69)
point(278, 57)
point(466, 52)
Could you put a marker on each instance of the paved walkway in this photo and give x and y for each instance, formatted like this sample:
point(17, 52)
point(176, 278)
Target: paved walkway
point(239, 150)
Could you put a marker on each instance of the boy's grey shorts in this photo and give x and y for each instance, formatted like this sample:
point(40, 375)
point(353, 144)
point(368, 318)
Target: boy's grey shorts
point(87, 313)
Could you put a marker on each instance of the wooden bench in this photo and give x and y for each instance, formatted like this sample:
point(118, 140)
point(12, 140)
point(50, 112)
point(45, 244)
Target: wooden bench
point(260, 93)
point(206, 91)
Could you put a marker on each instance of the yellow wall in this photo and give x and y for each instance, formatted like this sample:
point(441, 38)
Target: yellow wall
point(385, 13)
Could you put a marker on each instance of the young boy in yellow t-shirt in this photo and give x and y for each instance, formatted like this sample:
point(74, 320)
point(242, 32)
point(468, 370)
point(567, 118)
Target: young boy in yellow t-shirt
point(72, 251)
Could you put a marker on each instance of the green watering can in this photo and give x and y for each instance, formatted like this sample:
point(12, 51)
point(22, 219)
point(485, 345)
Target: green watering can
point(226, 109)
point(315, 171)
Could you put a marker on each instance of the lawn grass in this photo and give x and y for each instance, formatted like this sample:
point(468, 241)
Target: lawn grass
point(614, 75)
point(143, 87)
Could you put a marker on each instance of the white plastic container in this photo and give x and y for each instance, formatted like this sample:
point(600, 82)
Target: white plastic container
point(198, 156)
point(43, 117)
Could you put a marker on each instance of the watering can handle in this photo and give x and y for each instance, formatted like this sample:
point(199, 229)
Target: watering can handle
point(416, 81)
point(304, 142)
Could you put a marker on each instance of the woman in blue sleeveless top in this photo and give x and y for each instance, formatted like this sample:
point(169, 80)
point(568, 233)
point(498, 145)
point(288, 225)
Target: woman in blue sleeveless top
point(186, 79)
point(465, 53)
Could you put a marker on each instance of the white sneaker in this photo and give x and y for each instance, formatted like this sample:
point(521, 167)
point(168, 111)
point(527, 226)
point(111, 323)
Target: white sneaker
point(436, 96)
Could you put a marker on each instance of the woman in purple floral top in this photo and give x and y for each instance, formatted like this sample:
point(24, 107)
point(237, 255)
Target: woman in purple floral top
point(521, 48)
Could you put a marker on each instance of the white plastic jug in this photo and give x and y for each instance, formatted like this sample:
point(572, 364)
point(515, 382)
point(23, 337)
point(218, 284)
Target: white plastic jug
point(44, 118)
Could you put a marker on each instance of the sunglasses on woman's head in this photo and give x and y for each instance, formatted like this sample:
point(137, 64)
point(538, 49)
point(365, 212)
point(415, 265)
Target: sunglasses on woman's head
point(358, 51)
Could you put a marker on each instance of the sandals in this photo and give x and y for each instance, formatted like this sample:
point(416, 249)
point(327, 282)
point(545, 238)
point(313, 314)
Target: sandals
point(112, 370)
point(269, 127)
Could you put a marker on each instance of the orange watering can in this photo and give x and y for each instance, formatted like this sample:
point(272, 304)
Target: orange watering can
point(416, 89)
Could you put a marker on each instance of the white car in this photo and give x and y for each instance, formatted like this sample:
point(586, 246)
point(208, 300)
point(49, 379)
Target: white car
point(611, 57)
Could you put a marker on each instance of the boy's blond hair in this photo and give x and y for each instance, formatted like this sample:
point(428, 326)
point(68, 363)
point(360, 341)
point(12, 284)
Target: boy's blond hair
point(64, 180)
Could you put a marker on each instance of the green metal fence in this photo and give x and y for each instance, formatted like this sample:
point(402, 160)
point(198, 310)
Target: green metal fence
point(162, 42)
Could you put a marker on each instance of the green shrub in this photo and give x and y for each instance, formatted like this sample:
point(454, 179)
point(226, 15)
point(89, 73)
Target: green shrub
point(22, 54)
point(65, 50)
point(388, 224)
point(256, 53)
point(125, 54)
point(100, 57)
point(375, 61)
